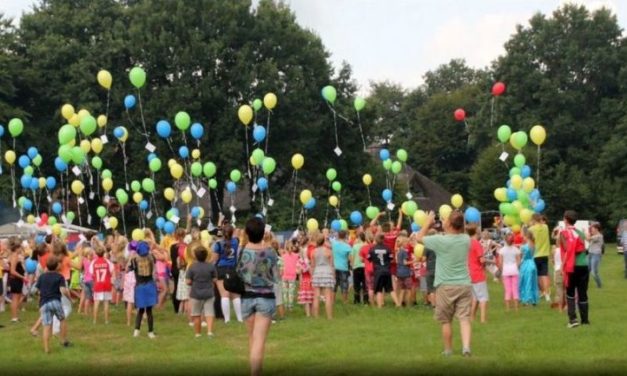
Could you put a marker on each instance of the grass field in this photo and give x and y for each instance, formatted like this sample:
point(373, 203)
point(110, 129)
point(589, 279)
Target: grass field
point(360, 340)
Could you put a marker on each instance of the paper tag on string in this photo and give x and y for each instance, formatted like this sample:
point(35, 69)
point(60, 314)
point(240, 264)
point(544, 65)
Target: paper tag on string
point(390, 206)
point(106, 224)
point(175, 219)
point(194, 188)
point(254, 188)
point(89, 219)
point(20, 223)
point(504, 156)
point(201, 192)
point(150, 147)
point(92, 195)
point(48, 231)
point(232, 209)
point(91, 180)
point(149, 215)
point(106, 199)
point(337, 151)
point(198, 222)
point(81, 200)
point(264, 212)
point(104, 139)
point(49, 198)
point(409, 196)
point(76, 170)
point(270, 202)
point(268, 228)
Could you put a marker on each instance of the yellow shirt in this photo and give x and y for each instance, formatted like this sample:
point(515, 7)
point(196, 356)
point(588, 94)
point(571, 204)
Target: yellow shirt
point(542, 240)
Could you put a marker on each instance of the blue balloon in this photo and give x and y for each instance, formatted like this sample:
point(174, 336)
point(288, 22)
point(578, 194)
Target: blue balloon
point(57, 208)
point(310, 204)
point(356, 218)
point(160, 222)
point(174, 212)
point(508, 183)
point(32, 152)
point(336, 225)
point(387, 195)
point(534, 195)
point(262, 184)
point(231, 187)
point(512, 195)
point(31, 266)
point(197, 131)
point(151, 156)
point(415, 227)
point(143, 205)
point(384, 154)
point(51, 182)
point(118, 132)
point(540, 206)
point(472, 215)
point(25, 180)
point(59, 164)
point(169, 228)
point(525, 171)
point(129, 101)
point(195, 212)
point(259, 133)
point(184, 152)
point(1, 130)
point(28, 205)
point(164, 129)
point(24, 161)
point(34, 184)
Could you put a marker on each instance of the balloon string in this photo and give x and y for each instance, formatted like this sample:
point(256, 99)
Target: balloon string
point(294, 179)
point(492, 112)
point(326, 212)
point(125, 162)
point(123, 219)
point(107, 113)
point(170, 145)
point(369, 198)
point(141, 113)
point(67, 187)
point(215, 194)
point(98, 186)
point(361, 131)
point(268, 137)
point(78, 209)
point(154, 202)
point(232, 211)
point(13, 184)
point(538, 170)
point(247, 152)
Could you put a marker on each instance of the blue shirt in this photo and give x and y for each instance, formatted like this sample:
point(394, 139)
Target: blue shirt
point(227, 259)
point(341, 250)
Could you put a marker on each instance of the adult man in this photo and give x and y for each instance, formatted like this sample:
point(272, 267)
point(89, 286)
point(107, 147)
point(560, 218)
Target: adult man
point(540, 232)
point(341, 252)
point(453, 294)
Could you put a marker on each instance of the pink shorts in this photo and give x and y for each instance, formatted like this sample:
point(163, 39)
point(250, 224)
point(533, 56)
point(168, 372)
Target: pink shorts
point(510, 283)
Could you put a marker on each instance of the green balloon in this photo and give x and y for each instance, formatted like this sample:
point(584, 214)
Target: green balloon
point(101, 211)
point(235, 175)
point(359, 104)
point(514, 171)
point(268, 165)
point(196, 169)
point(78, 156)
point(148, 185)
point(396, 167)
point(522, 196)
point(401, 154)
point(21, 200)
point(15, 127)
point(155, 164)
point(66, 134)
point(70, 216)
point(65, 153)
point(106, 174)
point(331, 174)
point(343, 224)
point(519, 160)
point(520, 139)
point(387, 164)
point(96, 162)
point(137, 76)
point(411, 207)
point(258, 156)
point(29, 170)
point(503, 133)
point(170, 213)
point(257, 103)
point(122, 196)
point(213, 183)
point(372, 212)
point(182, 120)
point(337, 186)
point(88, 125)
point(329, 94)
point(506, 208)
point(37, 160)
point(135, 186)
point(209, 169)
point(52, 220)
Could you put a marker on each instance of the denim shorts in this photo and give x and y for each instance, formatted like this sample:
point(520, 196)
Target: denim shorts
point(51, 309)
point(341, 280)
point(263, 306)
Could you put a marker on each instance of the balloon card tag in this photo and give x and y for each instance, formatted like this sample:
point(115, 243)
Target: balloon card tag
point(88, 221)
point(149, 215)
point(198, 222)
point(504, 156)
point(91, 180)
point(201, 192)
point(194, 188)
point(76, 170)
point(409, 196)
point(150, 147)
point(268, 228)
point(270, 202)
point(104, 139)
point(81, 200)
point(127, 188)
point(254, 188)
point(175, 219)
point(20, 223)
point(232, 209)
point(106, 224)
point(264, 212)
point(107, 198)
point(337, 151)
point(49, 198)
point(92, 195)
point(390, 206)
point(48, 231)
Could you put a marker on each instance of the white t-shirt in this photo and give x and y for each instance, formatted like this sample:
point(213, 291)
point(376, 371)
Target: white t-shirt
point(557, 259)
point(510, 266)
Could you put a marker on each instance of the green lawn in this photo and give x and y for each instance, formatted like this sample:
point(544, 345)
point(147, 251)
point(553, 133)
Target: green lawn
point(359, 340)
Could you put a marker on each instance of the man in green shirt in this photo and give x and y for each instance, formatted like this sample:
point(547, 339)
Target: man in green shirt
point(453, 294)
point(359, 275)
point(540, 232)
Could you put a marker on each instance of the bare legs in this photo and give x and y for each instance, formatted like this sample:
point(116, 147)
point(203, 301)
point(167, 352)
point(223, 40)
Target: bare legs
point(447, 335)
point(106, 310)
point(258, 327)
point(328, 303)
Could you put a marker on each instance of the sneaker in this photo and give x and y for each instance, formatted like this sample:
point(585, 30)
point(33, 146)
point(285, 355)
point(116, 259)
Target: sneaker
point(197, 335)
point(15, 320)
point(585, 323)
point(210, 335)
point(190, 323)
point(136, 333)
point(447, 353)
point(204, 324)
point(466, 353)
point(547, 297)
point(573, 324)
point(151, 335)
point(67, 344)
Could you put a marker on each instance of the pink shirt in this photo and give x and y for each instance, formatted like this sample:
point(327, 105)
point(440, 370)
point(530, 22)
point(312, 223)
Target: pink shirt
point(289, 265)
point(87, 270)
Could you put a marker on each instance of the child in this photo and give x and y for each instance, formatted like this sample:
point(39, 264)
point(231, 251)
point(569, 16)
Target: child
point(323, 276)
point(305, 289)
point(290, 259)
point(403, 272)
point(508, 265)
point(51, 285)
point(476, 263)
point(200, 277)
point(145, 289)
point(528, 282)
point(489, 254)
point(128, 294)
point(381, 257)
point(87, 291)
point(559, 301)
point(368, 267)
point(101, 270)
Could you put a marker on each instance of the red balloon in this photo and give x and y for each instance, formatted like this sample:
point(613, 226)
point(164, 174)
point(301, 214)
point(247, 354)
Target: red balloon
point(43, 219)
point(459, 114)
point(498, 88)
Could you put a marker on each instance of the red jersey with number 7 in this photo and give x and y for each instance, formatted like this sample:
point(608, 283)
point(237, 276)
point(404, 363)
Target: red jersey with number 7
point(101, 271)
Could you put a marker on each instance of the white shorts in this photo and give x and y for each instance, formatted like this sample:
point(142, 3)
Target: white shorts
point(480, 291)
point(102, 296)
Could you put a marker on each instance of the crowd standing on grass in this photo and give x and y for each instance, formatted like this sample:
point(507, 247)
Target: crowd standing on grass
point(444, 267)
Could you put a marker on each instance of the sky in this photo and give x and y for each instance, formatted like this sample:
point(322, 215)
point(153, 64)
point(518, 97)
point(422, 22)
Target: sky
point(400, 40)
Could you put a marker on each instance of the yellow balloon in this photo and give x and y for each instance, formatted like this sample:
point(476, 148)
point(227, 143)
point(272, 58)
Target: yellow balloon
point(102, 121)
point(171, 162)
point(517, 205)
point(205, 236)
point(457, 200)
point(537, 134)
point(298, 161)
point(107, 184)
point(186, 196)
point(176, 170)
point(445, 211)
point(56, 229)
point(305, 196)
point(113, 222)
point(63, 234)
point(72, 143)
point(252, 161)
point(30, 219)
point(138, 235)
point(42, 183)
point(85, 146)
point(516, 227)
point(517, 182)
point(137, 197)
point(169, 194)
point(269, 100)
point(96, 145)
point(77, 187)
point(195, 153)
point(67, 111)
point(245, 114)
point(420, 217)
point(201, 213)
point(125, 135)
point(74, 121)
point(500, 194)
point(367, 179)
point(312, 224)
point(528, 184)
point(418, 250)
point(9, 156)
point(525, 215)
point(104, 79)
point(508, 220)
point(333, 201)
point(82, 113)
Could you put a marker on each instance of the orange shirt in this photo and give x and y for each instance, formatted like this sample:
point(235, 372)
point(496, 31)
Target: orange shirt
point(66, 267)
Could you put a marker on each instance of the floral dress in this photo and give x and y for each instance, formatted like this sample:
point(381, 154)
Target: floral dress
point(305, 289)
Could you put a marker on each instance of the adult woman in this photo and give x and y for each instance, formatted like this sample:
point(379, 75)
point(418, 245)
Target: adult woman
point(16, 276)
point(595, 252)
point(258, 269)
point(145, 289)
point(323, 276)
point(225, 254)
